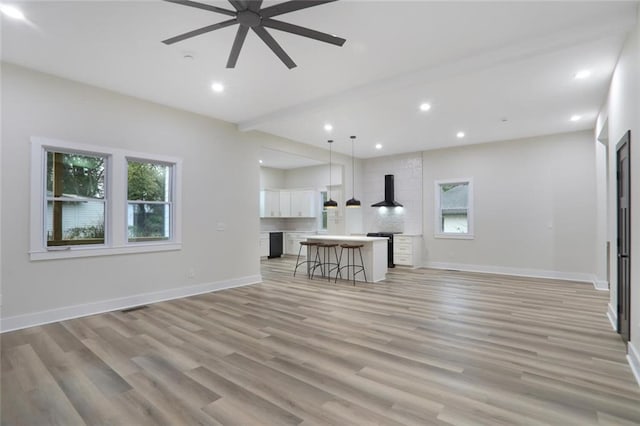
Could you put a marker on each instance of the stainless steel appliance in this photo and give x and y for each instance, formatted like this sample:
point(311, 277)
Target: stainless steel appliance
point(388, 235)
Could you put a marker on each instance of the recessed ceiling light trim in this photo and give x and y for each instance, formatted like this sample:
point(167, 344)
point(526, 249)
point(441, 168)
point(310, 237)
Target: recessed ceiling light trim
point(576, 117)
point(460, 135)
point(12, 12)
point(217, 87)
point(424, 107)
point(328, 127)
point(582, 74)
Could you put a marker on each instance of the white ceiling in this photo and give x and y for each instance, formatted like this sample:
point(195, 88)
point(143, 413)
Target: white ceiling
point(477, 63)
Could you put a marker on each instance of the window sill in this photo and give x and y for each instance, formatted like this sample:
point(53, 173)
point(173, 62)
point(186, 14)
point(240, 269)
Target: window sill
point(80, 251)
point(455, 236)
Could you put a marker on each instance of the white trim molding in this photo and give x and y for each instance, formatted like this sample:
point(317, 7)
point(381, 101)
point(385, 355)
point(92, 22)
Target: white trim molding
point(633, 357)
point(612, 314)
point(69, 312)
point(115, 202)
point(519, 272)
point(600, 285)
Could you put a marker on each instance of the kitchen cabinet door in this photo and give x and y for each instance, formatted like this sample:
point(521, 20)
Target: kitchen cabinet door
point(269, 203)
point(285, 204)
point(303, 204)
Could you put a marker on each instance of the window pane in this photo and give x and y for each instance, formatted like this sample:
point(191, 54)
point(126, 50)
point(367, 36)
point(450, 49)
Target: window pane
point(74, 223)
point(148, 222)
point(454, 196)
point(455, 223)
point(75, 175)
point(148, 181)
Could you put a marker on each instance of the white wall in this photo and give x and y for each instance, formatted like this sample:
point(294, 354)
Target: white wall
point(271, 178)
point(534, 206)
point(622, 113)
point(220, 185)
point(407, 171)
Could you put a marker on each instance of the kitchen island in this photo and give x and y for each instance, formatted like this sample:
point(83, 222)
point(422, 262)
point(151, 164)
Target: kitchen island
point(374, 254)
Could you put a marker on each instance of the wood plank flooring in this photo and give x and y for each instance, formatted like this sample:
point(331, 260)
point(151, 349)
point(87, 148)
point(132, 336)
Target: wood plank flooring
point(423, 347)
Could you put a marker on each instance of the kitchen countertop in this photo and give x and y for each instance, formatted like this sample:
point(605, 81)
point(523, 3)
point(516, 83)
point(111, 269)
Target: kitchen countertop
point(351, 238)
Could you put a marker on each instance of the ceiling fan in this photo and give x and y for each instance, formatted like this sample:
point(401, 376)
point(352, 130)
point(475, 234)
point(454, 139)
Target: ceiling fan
point(249, 14)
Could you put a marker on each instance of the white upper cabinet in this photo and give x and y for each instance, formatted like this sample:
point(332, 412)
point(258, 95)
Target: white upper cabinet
point(303, 204)
point(287, 203)
point(269, 203)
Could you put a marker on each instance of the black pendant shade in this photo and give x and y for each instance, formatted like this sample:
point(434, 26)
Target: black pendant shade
point(353, 203)
point(330, 204)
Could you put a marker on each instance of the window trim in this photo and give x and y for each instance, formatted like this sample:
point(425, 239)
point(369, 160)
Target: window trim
point(171, 203)
point(116, 242)
point(437, 233)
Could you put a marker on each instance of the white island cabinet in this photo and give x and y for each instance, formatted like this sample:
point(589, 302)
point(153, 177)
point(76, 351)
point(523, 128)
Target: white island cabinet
point(374, 254)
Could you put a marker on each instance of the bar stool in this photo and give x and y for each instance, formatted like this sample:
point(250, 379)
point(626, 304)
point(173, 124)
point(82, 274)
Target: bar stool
point(351, 254)
point(315, 261)
point(326, 263)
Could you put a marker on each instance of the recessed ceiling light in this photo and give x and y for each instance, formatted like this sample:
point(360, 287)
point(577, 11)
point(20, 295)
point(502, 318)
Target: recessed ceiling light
point(260, 161)
point(425, 107)
point(12, 12)
point(460, 135)
point(576, 117)
point(378, 146)
point(582, 74)
point(217, 87)
point(328, 127)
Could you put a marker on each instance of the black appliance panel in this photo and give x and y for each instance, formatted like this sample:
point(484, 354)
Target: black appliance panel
point(388, 235)
point(275, 244)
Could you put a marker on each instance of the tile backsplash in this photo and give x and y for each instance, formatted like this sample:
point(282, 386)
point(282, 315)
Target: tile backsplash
point(407, 169)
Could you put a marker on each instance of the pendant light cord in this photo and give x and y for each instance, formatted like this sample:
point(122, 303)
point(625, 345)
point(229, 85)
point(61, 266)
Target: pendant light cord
point(353, 170)
point(330, 184)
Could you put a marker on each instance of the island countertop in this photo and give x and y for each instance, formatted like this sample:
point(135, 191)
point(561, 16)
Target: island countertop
point(374, 254)
point(346, 238)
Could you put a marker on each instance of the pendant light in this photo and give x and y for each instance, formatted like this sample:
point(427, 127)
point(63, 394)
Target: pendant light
point(353, 203)
point(330, 204)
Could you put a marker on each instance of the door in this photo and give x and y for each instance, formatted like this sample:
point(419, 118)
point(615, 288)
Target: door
point(624, 237)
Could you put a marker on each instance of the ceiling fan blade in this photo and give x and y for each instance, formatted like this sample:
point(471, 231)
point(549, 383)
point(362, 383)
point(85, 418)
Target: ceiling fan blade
point(254, 5)
point(237, 46)
point(305, 32)
point(203, 6)
point(274, 46)
point(199, 31)
point(238, 5)
point(290, 6)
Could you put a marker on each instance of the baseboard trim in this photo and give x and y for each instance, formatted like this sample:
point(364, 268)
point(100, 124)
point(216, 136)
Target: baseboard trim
point(600, 285)
point(520, 272)
point(612, 314)
point(633, 357)
point(69, 312)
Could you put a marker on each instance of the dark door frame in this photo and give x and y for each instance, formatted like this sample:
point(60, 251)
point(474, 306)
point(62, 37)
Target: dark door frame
point(623, 180)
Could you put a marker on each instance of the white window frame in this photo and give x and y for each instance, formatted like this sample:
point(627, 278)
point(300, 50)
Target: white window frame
point(438, 233)
point(116, 236)
point(170, 203)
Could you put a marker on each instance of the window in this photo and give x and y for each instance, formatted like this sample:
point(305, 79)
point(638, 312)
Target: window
point(148, 201)
point(454, 208)
point(75, 197)
point(94, 201)
point(324, 214)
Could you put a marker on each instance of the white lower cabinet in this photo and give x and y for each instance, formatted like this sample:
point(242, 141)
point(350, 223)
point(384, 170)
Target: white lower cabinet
point(264, 244)
point(292, 242)
point(407, 250)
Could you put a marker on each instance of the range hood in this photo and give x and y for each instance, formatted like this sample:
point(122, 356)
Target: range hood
point(389, 196)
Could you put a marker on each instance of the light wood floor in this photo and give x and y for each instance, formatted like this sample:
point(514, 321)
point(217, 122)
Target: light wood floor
point(424, 347)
